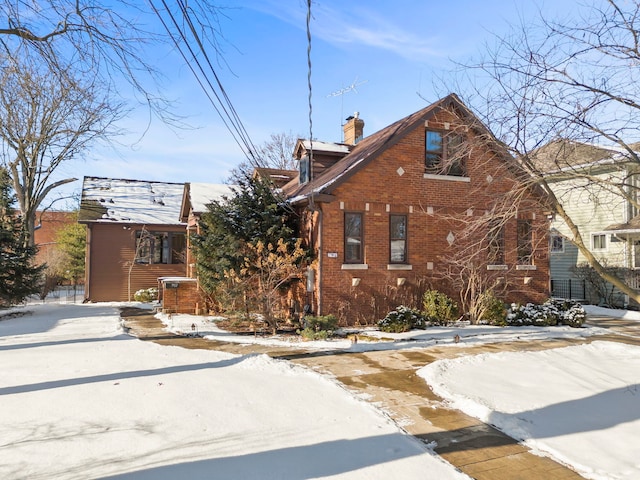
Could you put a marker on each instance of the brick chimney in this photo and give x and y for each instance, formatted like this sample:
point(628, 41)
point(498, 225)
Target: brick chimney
point(353, 129)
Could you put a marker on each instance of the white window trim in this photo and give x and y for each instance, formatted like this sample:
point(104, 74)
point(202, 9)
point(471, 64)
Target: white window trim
point(399, 266)
point(497, 267)
point(606, 241)
point(450, 178)
point(551, 250)
point(526, 267)
point(355, 266)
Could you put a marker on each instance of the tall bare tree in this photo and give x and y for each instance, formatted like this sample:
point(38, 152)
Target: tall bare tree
point(47, 118)
point(277, 152)
point(576, 80)
point(109, 40)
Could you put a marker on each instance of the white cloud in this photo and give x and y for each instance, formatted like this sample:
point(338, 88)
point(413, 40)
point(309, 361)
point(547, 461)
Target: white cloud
point(356, 27)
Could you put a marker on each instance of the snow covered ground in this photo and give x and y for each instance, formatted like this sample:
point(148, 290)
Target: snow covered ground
point(79, 399)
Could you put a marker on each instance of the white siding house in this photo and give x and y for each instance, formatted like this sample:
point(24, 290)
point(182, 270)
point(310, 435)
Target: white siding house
point(594, 184)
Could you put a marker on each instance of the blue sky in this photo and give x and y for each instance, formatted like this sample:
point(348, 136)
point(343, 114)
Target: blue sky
point(401, 54)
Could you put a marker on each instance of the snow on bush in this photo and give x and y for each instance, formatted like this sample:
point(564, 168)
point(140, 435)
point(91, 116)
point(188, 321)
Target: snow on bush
point(146, 295)
point(402, 319)
point(552, 312)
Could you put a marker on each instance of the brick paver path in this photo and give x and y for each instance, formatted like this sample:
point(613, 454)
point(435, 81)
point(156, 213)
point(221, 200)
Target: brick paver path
point(389, 379)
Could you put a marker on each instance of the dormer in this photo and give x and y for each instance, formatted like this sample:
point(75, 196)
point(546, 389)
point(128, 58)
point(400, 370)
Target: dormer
point(325, 154)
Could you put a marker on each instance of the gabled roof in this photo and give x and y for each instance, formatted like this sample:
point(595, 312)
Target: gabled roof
point(564, 155)
point(630, 227)
point(198, 195)
point(372, 146)
point(327, 148)
point(277, 176)
point(115, 200)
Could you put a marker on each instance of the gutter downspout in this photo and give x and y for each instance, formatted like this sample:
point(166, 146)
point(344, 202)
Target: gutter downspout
point(319, 300)
point(87, 264)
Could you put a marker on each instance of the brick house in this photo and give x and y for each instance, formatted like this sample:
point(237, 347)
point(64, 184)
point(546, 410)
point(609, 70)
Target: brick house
point(48, 224)
point(134, 236)
point(386, 214)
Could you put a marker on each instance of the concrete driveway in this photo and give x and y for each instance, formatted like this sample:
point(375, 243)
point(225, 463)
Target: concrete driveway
point(389, 380)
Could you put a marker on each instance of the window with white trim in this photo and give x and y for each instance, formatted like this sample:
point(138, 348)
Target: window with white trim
point(304, 166)
point(599, 241)
point(556, 244)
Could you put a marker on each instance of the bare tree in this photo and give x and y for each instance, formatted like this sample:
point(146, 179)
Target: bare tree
point(277, 152)
point(109, 40)
point(577, 81)
point(47, 118)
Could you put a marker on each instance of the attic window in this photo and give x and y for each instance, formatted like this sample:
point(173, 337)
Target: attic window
point(305, 170)
point(445, 153)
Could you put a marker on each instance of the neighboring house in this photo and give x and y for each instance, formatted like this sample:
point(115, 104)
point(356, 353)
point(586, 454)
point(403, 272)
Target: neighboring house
point(134, 235)
point(277, 176)
point(48, 223)
point(385, 213)
point(595, 185)
point(195, 199)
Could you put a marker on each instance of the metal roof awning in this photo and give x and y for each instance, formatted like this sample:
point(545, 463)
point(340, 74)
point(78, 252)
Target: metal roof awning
point(632, 227)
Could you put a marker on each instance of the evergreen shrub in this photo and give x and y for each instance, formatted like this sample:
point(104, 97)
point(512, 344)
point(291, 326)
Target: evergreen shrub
point(552, 312)
point(438, 308)
point(402, 319)
point(494, 311)
point(318, 328)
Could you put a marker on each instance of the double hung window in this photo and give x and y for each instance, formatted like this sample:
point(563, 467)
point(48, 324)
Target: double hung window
point(444, 153)
point(599, 241)
point(525, 242)
point(398, 238)
point(353, 238)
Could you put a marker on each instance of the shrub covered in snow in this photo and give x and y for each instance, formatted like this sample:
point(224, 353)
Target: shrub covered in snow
point(402, 319)
point(438, 308)
point(146, 295)
point(552, 312)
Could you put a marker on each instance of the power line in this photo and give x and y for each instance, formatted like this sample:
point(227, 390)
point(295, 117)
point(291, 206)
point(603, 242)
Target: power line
point(213, 89)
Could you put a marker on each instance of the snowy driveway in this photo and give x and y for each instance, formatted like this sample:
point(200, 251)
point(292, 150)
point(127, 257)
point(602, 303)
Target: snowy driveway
point(78, 400)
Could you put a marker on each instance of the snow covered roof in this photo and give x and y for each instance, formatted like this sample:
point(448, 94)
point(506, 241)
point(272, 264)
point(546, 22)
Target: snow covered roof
point(568, 156)
point(112, 200)
point(326, 146)
point(201, 194)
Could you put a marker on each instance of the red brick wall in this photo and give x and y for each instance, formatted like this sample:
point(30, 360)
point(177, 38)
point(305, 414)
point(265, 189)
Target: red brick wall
point(184, 299)
point(48, 224)
point(434, 208)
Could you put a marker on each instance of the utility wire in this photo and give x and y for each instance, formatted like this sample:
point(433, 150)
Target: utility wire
point(232, 109)
point(310, 96)
point(222, 103)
